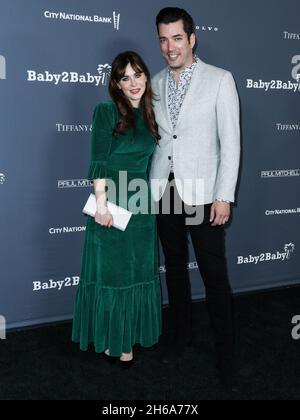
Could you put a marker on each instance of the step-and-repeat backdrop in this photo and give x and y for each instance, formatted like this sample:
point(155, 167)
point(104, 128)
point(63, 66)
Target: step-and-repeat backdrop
point(55, 61)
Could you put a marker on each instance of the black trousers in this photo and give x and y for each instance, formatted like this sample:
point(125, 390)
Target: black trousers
point(209, 246)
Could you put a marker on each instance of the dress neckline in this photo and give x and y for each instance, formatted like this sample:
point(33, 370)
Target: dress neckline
point(137, 111)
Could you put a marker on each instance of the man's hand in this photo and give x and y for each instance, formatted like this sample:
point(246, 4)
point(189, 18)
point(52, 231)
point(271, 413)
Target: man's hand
point(220, 213)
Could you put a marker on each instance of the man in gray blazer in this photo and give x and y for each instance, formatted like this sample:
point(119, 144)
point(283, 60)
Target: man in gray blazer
point(197, 110)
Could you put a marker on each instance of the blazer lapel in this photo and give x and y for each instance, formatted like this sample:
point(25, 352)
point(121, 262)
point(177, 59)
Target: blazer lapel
point(163, 92)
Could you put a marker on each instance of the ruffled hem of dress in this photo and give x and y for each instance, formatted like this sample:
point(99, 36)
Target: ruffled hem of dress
point(117, 319)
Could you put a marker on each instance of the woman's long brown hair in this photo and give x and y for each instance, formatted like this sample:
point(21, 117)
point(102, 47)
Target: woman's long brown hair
point(126, 113)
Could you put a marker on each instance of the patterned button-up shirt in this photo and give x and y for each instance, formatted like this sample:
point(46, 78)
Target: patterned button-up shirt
point(177, 92)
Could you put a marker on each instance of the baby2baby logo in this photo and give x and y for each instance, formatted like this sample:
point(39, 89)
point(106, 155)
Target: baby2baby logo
point(101, 78)
point(269, 256)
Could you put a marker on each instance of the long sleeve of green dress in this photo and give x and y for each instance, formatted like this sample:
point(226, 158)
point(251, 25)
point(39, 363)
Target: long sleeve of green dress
point(104, 119)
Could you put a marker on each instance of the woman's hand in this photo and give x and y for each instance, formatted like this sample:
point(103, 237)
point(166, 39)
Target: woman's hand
point(103, 217)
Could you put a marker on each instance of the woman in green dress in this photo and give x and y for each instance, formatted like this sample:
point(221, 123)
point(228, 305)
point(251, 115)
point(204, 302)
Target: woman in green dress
point(118, 301)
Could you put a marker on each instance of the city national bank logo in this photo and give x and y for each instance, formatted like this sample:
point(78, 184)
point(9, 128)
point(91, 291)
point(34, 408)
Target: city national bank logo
point(268, 256)
point(59, 285)
point(2, 179)
point(114, 20)
point(66, 229)
point(270, 85)
point(283, 212)
point(74, 183)
point(104, 71)
point(2, 68)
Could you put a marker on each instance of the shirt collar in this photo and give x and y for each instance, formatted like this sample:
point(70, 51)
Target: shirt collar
point(187, 69)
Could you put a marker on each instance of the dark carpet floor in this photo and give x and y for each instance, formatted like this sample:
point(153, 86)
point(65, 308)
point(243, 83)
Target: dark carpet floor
point(43, 364)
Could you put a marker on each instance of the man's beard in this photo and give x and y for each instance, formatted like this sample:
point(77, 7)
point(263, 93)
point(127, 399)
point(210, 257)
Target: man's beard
point(175, 65)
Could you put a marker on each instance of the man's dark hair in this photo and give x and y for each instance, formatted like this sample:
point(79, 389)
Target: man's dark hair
point(174, 14)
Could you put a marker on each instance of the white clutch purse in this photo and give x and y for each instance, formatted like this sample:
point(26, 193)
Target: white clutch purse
point(120, 216)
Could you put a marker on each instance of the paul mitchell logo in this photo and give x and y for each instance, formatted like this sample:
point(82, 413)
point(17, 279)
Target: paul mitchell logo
point(114, 20)
point(104, 71)
point(74, 183)
point(2, 179)
point(280, 173)
point(268, 256)
point(2, 68)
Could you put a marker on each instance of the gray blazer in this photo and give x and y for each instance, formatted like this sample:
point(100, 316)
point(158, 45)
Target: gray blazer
point(205, 145)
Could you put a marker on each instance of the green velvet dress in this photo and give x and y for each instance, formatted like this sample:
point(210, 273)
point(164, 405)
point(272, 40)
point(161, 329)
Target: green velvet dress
point(118, 301)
